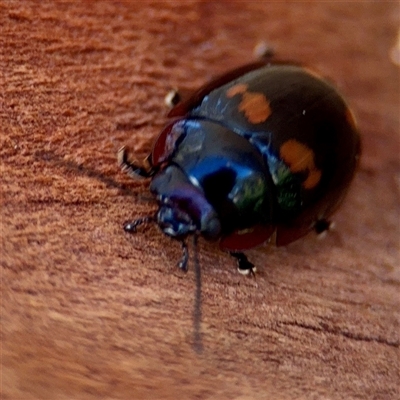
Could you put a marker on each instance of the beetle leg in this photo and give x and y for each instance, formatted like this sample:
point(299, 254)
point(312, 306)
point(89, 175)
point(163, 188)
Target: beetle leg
point(322, 225)
point(185, 257)
point(263, 51)
point(172, 98)
point(131, 226)
point(245, 267)
point(134, 170)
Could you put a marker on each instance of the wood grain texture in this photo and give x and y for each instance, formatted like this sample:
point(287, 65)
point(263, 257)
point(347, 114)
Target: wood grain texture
point(89, 312)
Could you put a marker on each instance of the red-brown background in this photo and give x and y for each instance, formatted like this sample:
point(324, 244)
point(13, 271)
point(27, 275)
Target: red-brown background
point(89, 312)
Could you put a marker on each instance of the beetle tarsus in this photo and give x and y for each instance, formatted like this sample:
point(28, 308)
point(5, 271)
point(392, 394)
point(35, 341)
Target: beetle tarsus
point(183, 264)
point(172, 98)
point(132, 169)
point(263, 51)
point(322, 225)
point(245, 267)
point(131, 227)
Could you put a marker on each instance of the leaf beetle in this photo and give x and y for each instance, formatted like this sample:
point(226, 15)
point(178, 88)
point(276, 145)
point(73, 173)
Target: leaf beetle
point(265, 152)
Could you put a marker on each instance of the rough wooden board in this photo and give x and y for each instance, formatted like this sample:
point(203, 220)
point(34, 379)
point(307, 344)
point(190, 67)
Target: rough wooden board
point(88, 312)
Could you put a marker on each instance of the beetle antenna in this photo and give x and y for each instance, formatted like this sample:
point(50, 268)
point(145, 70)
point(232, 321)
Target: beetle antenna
point(183, 264)
point(197, 341)
point(132, 226)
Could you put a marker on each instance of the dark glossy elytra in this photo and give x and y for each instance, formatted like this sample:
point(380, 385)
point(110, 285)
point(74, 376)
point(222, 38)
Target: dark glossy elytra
point(267, 150)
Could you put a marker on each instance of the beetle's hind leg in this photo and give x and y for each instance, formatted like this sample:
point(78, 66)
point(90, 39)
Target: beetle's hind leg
point(133, 170)
point(322, 226)
point(245, 267)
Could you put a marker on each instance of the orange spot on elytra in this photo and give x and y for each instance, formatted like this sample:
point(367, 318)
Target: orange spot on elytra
point(300, 158)
point(237, 89)
point(314, 176)
point(255, 106)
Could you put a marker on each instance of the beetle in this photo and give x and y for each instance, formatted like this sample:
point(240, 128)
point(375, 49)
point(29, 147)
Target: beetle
point(265, 152)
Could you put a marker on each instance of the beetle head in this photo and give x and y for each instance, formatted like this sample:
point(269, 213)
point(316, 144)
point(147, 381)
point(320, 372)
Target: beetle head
point(183, 207)
point(173, 221)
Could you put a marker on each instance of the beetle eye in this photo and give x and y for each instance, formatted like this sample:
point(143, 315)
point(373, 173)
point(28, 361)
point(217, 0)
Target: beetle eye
point(174, 222)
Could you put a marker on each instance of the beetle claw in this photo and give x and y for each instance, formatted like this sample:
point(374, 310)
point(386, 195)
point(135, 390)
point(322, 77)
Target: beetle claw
point(245, 267)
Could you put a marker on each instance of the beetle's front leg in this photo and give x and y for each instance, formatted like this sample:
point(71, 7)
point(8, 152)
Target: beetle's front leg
point(132, 169)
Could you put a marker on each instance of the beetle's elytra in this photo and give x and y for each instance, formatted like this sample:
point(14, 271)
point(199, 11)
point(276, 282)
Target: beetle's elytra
point(266, 150)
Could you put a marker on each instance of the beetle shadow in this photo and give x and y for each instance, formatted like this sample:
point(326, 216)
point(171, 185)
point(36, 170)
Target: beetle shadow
point(79, 169)
point(83, 170)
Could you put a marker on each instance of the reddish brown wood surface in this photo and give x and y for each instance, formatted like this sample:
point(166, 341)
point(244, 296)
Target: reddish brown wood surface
point(89, 312)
